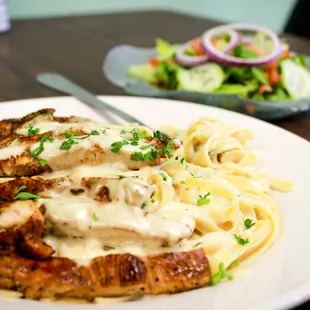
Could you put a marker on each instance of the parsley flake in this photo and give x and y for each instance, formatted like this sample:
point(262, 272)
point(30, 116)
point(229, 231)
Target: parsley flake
point(248, 223)
point(137, 156)
point(182, 182)
point(143, 205)
point(69, 134)
point(197, 244)
point(121, 176)
point(220, 275)
point(95, 133)
point(67, 144)
point(192, 174)
point(32, 131)
point(42, 162)
point(116, 146)
point(145, 147)
point(163, 176)
point(95, 217)
point(203, 200)
point(151, 155)
point(35, 153)
point(157, 134)
point(234, 264)
point(241, 241)
point(169, 148)
point(21, 195)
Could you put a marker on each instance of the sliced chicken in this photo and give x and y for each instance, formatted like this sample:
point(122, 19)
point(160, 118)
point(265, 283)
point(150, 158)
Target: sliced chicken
point(108, 276)
point(21, 229)
point(28, 156)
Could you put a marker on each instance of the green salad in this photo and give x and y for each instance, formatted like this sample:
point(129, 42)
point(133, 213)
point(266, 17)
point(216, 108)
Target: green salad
point(226, 63)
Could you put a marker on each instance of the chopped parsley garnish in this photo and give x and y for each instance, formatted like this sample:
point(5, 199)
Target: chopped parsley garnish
point(35, 153)
point(182, 182)
point(182, 159)
point(197, 244)
point(136, 134)
point(95, 133)
point(66, 145)
point(121, 176)
point(195, 177)
point(68, 176)
point(42, 162)
point(151, 155)
point(143, 205)
point(203, 200)
point(32, 131)
point(234, 264)
point(248, 223)
point(137, 156)
point(69, 135)
point(116, 146)
point(95, 217)
point(157, 134)
point(220, 275)
point(169, 149)
point(241, 241)
point(145, 147)
point(21, 195)
point(163, 176)
point(104, 131)
point(71, 139)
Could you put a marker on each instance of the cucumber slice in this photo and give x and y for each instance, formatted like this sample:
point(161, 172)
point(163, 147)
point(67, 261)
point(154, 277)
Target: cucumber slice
point(145, 72)
point(205, 78)
point(295, 79)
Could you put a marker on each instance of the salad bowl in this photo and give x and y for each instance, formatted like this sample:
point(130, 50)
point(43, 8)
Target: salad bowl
point(122, 58)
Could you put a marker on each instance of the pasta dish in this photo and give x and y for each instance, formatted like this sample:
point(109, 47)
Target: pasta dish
point(99, 210)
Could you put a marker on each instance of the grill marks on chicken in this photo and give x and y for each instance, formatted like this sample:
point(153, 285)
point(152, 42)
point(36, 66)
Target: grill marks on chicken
point(108, 276)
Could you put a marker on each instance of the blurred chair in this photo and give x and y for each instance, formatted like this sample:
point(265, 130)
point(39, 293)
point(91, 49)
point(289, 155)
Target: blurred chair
point(299, 21)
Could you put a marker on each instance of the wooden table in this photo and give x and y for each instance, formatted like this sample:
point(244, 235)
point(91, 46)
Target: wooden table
point(76, 47)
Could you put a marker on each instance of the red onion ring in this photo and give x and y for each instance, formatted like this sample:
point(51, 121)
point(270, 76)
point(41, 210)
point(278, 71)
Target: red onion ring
point(189, 61)
point(220, 56)
point(235, 39)
point(192, 61)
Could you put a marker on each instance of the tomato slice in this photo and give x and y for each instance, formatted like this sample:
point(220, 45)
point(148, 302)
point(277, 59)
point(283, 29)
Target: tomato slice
point(197, 47)
point(154, 62)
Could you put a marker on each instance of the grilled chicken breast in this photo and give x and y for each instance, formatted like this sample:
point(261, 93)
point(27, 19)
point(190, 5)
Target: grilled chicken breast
point(56, 229)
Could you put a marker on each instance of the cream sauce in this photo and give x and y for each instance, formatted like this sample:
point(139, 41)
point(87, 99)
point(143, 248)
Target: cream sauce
point(114, 224)
point(13, 150)
point(79, 153)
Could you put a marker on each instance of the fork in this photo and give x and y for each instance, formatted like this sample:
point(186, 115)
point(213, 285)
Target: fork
point(62, 84)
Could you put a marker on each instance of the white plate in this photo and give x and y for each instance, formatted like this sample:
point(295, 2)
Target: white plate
point(280, 278)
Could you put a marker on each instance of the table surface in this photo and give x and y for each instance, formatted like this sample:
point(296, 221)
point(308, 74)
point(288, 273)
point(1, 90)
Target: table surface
point(76, 47)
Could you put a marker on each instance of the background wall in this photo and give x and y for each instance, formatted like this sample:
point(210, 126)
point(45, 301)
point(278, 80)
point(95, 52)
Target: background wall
point(272, 13)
